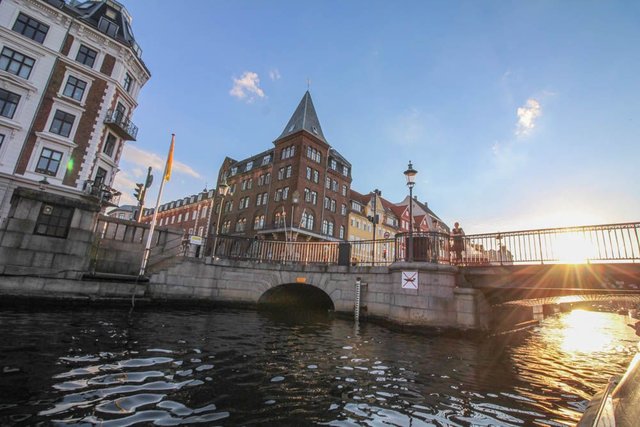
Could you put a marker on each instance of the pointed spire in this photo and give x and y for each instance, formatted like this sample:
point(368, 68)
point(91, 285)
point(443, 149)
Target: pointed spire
point(304, 118)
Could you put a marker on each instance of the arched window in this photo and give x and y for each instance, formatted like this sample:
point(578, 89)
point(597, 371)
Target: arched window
point(241, 224)
point(327, 227)
point(307, 220)
point(258, 222)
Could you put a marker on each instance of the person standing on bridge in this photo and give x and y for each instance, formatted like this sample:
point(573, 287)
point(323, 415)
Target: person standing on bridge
point(458, 242)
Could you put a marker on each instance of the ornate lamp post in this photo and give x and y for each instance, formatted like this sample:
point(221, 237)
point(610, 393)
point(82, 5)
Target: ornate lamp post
point(223, 190)
point(410, 173)
point(295, 199)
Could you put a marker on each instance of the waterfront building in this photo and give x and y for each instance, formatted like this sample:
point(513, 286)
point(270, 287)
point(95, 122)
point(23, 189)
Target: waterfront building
point(191, 214)
point(126, 212)
point(70, 75)
point(297, 190)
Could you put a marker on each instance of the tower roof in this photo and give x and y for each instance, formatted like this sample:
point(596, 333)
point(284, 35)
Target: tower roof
point(304, 118)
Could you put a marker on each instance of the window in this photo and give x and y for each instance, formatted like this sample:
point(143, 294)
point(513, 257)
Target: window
point(288, 152)
point(334, 185)
point(327, 183)
point(194, 215)
point(345, 170)
point(333, 164)
point(288, 172)
point(316, 176)
point(225, 227)
point(344, 190)
point(278, 195)
point(314, 197)
point(267, 178)
point(127, 84)
point(107, 26)
point(327, 202)
point(307, 221)
point(86, 56)
point(228, 206)
point(327, 228)
point(234, 170)
point(343, 209)
point(8, 103)
point(308, 173)
point(261, 180)
point(74, 88)
point(341, 235)
point(285, 193)
point(280, 219)
point(266, 159)
point(258, 222)
point(62, 123)
point(200, 231)
point(280, 174)
point(1, 140)
point(241, 224)
point(101, 177)
point(265, 198)
point(203, 214)
point(314, 154)
point(16, 63)
point(121, 112)
point(49, 162)
point(249, 166)
point(31, 28)
point(244, 184)
point(333, 205)
point(109, 145)
point(54, 221)
point(179, 217)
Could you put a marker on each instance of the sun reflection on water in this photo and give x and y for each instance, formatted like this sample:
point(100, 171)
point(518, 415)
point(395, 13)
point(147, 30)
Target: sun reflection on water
point(586, 332)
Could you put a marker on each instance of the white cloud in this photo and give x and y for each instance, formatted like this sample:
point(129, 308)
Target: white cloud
point(527, 116)
point(125, 185)
point(247, 87)
point(137, 156)
point(274, 74)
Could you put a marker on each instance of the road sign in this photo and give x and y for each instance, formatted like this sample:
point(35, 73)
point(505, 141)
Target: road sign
point(195, 240)
point(409, 280)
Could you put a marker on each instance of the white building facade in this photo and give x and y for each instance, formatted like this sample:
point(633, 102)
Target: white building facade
point(70, 75)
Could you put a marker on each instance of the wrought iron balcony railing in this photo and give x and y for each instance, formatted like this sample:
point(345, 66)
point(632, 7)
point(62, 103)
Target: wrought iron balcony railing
point(121, 125)
point(105, 194)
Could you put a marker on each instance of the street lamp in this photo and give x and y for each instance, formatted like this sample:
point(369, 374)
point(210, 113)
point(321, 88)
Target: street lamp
point(223, 190)
point(295, 199)
point(410, 173)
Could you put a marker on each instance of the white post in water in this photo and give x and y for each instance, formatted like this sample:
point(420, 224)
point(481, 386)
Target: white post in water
point(356, 308)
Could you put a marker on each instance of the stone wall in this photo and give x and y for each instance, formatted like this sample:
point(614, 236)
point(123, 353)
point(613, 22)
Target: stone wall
point(22, 252)
point(438, 301)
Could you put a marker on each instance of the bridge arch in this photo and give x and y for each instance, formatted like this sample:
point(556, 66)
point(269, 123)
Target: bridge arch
point(298, 296)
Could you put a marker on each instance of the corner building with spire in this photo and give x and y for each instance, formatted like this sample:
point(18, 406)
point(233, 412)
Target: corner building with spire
point(299, 190)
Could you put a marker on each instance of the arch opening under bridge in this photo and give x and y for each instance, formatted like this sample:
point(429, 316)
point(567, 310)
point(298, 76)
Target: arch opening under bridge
point(297, 296)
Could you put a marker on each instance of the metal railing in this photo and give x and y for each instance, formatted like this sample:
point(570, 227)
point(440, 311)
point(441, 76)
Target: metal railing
point(569, 245)
point(107, 195)
point(126, 127)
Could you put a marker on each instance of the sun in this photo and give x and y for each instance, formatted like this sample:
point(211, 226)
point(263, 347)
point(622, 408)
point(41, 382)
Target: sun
point(573, 248)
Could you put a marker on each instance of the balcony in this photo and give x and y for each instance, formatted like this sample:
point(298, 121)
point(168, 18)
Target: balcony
point(121, 125)
point(106, 195)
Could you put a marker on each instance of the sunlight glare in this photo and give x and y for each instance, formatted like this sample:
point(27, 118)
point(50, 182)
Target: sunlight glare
point(585, 332)
point(572, 248)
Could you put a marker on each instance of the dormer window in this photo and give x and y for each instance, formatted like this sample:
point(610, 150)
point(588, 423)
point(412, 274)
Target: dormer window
point(110, 13)
point(108, 27)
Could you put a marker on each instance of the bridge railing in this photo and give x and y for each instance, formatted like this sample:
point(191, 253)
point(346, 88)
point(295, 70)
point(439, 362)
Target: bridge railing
point(568, 245)
point(596, 243)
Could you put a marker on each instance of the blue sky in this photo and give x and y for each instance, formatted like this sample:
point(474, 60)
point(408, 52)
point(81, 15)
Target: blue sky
point(515, 114)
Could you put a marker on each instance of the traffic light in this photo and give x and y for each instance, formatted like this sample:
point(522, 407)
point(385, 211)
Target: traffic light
point(138, 193)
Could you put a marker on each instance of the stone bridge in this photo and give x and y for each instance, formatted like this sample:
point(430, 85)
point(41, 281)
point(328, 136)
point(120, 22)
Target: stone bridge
point(437, 302)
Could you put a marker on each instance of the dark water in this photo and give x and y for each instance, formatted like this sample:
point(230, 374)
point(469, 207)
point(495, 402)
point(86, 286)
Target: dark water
point(235, 367)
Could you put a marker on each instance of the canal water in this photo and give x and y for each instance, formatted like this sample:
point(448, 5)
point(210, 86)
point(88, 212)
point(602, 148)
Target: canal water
point(240, 367)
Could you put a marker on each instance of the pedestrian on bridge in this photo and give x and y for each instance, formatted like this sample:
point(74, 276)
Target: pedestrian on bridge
point(458, 242)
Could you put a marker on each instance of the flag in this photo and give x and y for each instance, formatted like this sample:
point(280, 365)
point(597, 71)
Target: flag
point(167, 169)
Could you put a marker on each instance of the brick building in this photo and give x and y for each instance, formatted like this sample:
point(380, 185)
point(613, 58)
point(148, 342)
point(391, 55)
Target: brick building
point(190, 214)
point(297, 190)
point(70, 74)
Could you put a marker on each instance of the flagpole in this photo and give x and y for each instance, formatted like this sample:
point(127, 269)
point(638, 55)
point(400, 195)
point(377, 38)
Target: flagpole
point(165, 174)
